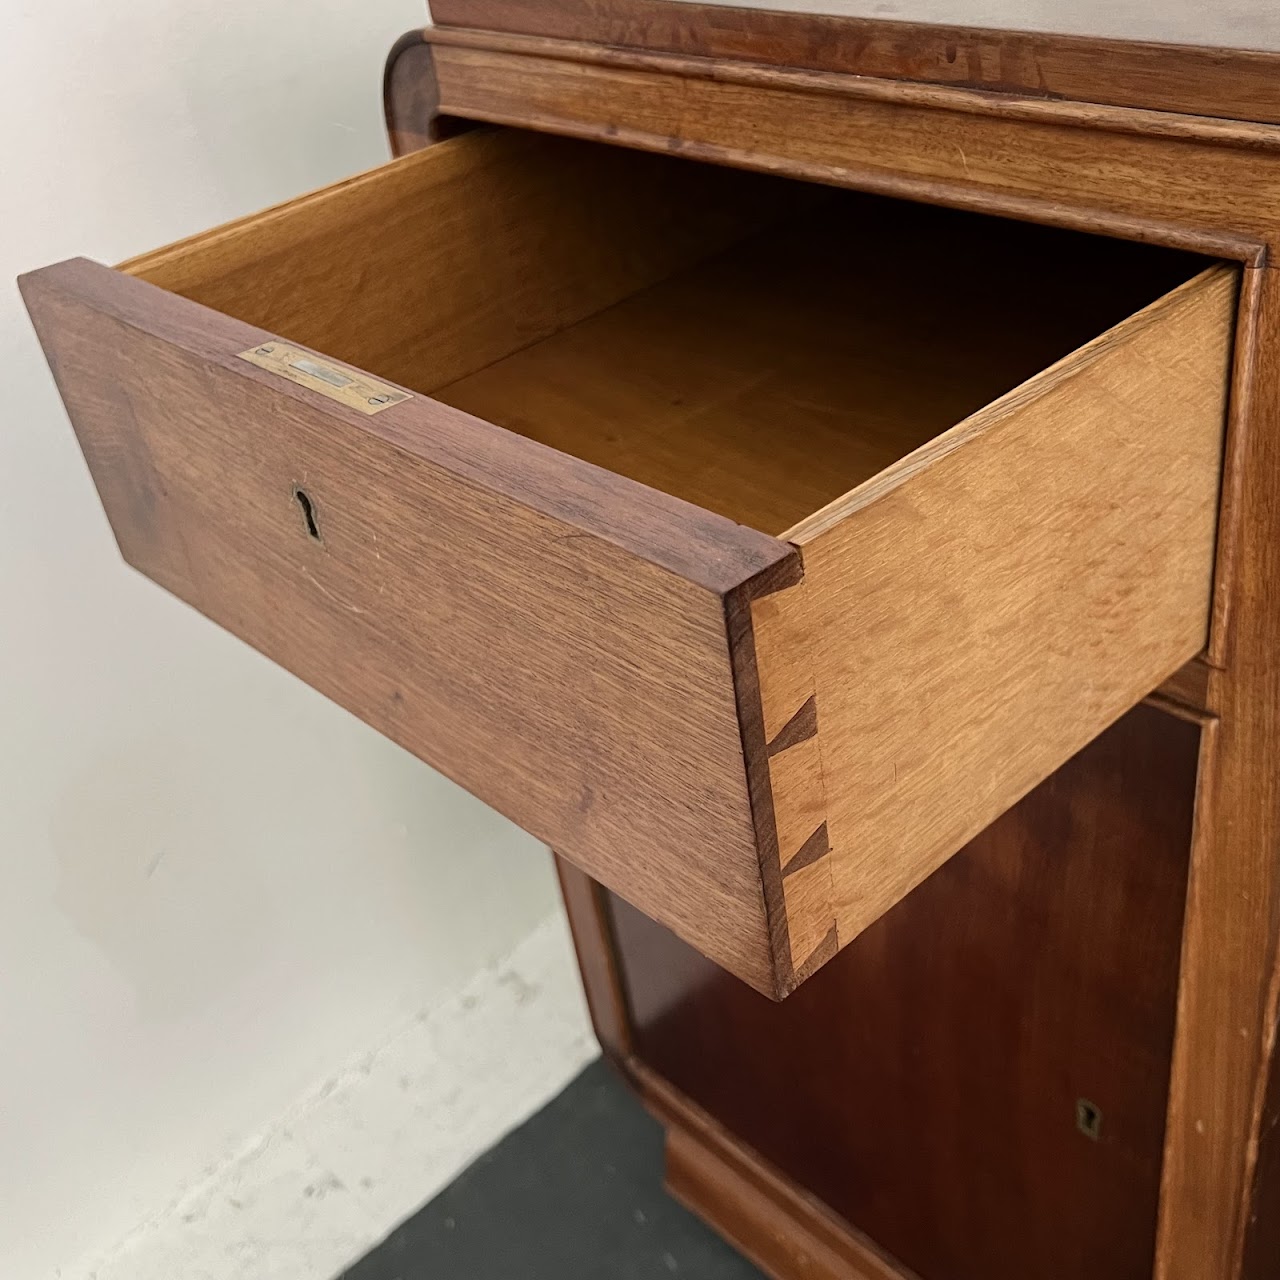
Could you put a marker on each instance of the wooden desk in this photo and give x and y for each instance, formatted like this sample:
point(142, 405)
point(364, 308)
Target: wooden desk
point(818, 473)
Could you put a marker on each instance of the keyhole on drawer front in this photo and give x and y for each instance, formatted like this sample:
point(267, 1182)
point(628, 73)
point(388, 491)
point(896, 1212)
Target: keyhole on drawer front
point(1088, 1119)
point(303, 499)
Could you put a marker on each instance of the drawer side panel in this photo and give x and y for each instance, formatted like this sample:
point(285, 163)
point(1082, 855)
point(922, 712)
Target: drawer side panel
point(973, 617)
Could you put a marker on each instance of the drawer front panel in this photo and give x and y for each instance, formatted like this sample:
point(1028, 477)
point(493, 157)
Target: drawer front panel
point(553, 637)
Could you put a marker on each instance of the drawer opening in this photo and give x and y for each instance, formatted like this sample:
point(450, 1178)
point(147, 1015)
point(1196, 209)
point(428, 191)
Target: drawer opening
point(755, 345)
point(769, 379)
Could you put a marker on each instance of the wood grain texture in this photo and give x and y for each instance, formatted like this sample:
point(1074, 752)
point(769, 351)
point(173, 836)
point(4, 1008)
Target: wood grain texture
point(786, 1234)
point(1189, 686)
point(814, 323)
point(922, 1087)
point(592, 929)
point(969, 618)
point(411, 97)
point(1060, 162)
point(484, 244)
point(1231, 975)
point(505, 612)
point(1235, 133)
point(1236, 83)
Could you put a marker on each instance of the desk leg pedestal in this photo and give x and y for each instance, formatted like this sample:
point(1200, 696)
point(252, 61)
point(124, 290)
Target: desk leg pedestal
point(974, 1089)
point(787, 1234)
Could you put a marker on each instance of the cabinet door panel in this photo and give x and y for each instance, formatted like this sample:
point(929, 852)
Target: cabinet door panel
point(927, 1084)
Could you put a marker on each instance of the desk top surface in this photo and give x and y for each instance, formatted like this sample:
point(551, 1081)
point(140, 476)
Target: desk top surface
point(1199, 57)
point(1239, 24)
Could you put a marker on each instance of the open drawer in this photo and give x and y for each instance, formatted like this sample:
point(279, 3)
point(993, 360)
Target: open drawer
point(753, 543)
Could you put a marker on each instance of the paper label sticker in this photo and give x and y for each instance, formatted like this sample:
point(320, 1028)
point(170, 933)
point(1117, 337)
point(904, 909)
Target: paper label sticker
point(347, 386)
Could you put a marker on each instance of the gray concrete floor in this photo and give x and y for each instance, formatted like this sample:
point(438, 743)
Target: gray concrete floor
point(574, 1194)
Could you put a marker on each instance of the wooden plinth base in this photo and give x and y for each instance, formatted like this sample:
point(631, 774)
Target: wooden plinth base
point(787, 1234)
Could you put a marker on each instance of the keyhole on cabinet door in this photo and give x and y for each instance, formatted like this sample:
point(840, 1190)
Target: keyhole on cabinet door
point(303, 499)
point(1088, 1119)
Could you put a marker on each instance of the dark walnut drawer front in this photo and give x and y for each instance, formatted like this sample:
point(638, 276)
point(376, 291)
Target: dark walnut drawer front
point(755, 544)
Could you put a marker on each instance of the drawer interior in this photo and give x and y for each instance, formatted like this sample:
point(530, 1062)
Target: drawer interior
point(767, 380)
point(754, 345)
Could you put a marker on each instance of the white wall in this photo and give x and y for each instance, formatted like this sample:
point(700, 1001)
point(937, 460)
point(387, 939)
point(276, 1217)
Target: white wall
point(215, 887)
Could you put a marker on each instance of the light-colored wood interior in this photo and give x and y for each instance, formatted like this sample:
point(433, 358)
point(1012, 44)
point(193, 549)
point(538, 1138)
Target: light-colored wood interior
point(753, 345)
point(770, 379)
point(440, 263)
point(968, 619)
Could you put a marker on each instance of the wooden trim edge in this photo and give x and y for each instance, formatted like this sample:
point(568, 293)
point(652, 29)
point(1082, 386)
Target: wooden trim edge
point(1209, 81)
point(948, 97)
point(755, 754)
point(411, 97)
point(457, 73)
point(785, 1232)
point(598, 965)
